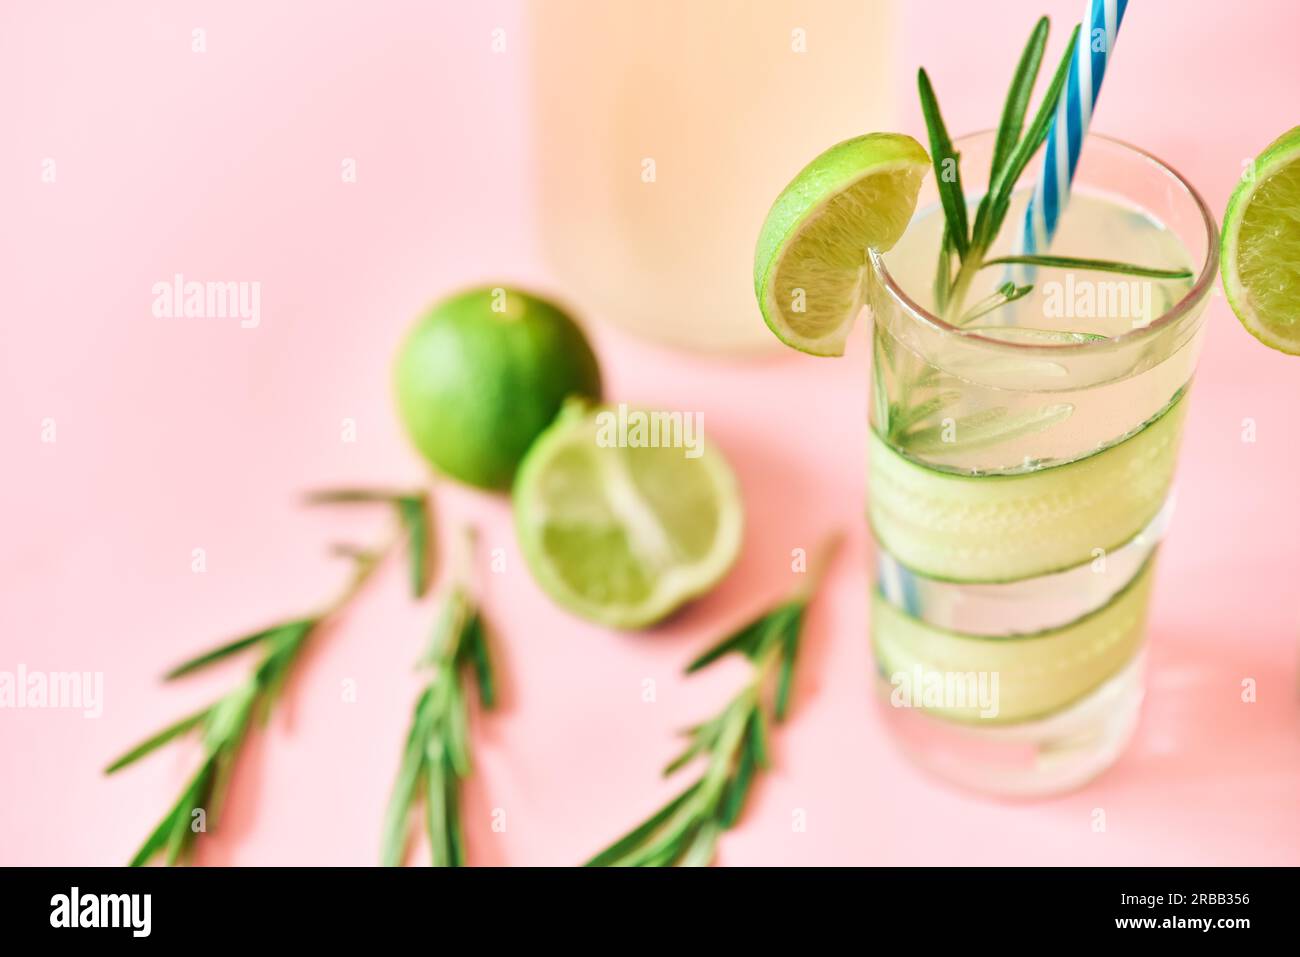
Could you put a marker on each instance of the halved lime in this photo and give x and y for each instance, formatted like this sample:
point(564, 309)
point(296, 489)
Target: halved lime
point(1261, 247)
point(811, 262)
point(623, 515)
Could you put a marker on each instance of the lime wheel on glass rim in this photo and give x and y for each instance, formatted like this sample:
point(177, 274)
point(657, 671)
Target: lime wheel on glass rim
point(810, 265)
point(1260, 252)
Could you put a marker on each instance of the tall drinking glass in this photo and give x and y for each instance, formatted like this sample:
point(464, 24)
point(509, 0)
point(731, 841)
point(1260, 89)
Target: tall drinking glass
point(1021, 463)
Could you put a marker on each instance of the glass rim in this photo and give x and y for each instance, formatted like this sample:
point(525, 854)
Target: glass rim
point(1170, 317)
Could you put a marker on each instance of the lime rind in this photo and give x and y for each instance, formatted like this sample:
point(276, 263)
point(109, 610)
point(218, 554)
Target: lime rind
point(1260, 252)
point(811, 251)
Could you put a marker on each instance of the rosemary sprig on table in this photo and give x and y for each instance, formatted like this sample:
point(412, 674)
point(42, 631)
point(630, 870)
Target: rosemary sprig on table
point(733, 744)
point(412, 513)
point(1014, 147)
point(437, 756)
point(224, 725)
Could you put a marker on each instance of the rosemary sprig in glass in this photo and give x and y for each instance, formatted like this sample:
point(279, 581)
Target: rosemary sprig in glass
point(224, 725)
point(733, 744)
point(1014, 147)
point(919, 389)
point(436, 759)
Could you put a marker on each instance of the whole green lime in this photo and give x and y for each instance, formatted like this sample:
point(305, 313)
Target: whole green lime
point(483, 373)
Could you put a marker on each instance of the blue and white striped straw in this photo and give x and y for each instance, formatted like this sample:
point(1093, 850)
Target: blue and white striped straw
point(1070, 125)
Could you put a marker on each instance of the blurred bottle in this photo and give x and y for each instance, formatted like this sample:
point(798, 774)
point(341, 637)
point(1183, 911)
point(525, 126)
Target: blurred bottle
point(666, 129)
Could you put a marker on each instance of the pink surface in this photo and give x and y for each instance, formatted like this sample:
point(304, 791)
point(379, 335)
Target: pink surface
point(175, 435)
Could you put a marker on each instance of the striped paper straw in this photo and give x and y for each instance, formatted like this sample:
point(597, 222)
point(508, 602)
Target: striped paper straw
point(1070, 125)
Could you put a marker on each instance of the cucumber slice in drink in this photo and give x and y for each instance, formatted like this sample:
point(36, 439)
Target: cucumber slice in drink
point(1004, 527)
point(1037, 674)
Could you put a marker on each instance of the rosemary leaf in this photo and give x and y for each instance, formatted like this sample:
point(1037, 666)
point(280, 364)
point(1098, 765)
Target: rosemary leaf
point(1006, 293)
point(439, 817)
point(393, 849)
point(455, 829)
point(756, 741)
point(990, 427)
point(943, 274)
point(733, 800)
point(904, 421)
point(158, 837)
point(785, 676)
point(702, 739)
point(671, 842)
point(1027, 147)
point(274, 670)
point(158, 740)
point(182, 835)
point(481, 659)
point(457, 739)
point(637, 836)
point(684, 758)
point(1090, 265)
point(944, 158)
point(351, 496)
point(1031, 335)
point(743, 640)
point(414, 513)
point(449, 628)
point(700, 851)
point(234, 647)
point(1012, 123)
point(225, 753)
point(880, 369)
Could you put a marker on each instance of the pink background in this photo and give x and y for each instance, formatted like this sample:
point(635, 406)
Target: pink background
point(177, 435)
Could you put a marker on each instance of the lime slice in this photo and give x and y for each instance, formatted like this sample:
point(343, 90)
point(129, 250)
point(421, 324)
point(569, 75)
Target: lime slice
point(623, 515)
point(810, 266)
point(1261, 247)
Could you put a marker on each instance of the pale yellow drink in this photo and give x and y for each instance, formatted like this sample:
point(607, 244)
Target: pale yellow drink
point(664, 129)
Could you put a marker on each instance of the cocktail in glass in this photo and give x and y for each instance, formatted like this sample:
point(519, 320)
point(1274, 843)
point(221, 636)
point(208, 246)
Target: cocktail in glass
point(1021, 466)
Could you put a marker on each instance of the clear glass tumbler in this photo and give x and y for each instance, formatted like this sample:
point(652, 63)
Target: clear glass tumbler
point(1021, 465)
